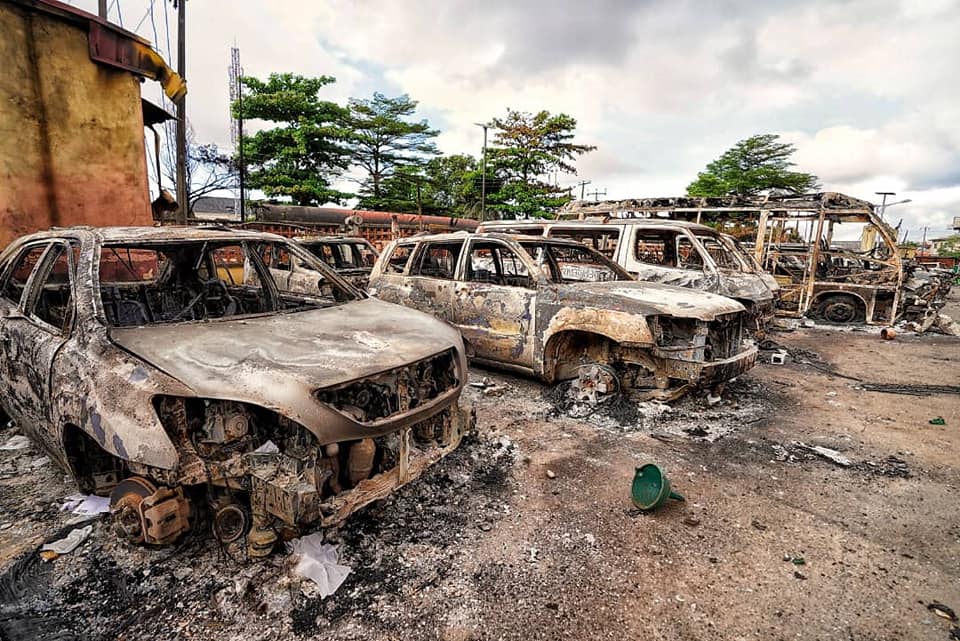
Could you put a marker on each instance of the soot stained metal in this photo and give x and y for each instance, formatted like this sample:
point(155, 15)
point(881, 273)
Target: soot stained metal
point(166, 368)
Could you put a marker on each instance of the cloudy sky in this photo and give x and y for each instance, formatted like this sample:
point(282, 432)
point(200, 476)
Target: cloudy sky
point(866, 89)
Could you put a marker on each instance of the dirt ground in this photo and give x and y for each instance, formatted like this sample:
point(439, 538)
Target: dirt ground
point(528, 532)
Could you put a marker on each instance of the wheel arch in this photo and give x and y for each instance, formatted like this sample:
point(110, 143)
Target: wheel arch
point(823, 295)
point(588, 340)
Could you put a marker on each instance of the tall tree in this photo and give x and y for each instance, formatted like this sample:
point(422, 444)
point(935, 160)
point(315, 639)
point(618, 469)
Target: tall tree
point(384, 142)
point(305, 152)
point(527, 149)
point(759, 164)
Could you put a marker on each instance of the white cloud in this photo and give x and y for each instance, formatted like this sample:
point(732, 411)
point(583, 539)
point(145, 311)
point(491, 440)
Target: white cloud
point(865, 88)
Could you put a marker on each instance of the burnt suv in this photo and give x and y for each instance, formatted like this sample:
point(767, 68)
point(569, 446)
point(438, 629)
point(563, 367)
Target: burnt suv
point(556, 309)
point(166, 368)
point(350, 256)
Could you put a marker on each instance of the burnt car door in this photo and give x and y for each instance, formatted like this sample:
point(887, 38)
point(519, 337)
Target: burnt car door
point(496, 301)
point(33, 335)
point(432, 275)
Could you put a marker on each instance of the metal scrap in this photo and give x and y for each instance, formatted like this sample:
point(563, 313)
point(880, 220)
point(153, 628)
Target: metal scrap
point(172, 357)
point(825, 452)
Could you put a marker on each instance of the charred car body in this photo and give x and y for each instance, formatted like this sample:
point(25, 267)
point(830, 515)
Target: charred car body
point(556, 309)
point(166, 368)
point(350, 256)
point(792, 238)
point(671, 252)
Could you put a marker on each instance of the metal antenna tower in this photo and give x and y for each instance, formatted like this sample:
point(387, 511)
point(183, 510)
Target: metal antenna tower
point(235, 72)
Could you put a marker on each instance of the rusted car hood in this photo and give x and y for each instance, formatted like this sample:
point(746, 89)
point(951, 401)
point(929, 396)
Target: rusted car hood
point(752, 287)
point(648, 298)
point(276, 361)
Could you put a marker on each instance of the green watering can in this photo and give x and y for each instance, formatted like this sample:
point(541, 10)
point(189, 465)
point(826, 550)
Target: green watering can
point(651, 488)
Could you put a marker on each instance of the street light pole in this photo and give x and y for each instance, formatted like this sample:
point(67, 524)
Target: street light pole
point(883, 203)
point(483, 174)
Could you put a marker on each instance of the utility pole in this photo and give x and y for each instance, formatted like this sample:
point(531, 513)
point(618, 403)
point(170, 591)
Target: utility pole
point(581, 185)
point(483, 174)
point(597, 193)
point(102, 9)
point(182, 193)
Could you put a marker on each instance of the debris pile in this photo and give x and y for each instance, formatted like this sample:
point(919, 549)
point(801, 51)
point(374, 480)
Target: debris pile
point(105, 588)
point(700, 415)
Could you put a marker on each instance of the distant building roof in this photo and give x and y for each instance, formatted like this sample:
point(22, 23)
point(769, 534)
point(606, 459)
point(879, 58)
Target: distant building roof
point(215, 205)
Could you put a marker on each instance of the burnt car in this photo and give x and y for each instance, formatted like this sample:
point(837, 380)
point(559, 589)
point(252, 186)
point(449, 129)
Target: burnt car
point(671, 252)
point(556, 309)
point(165, 367)
point(351, 257)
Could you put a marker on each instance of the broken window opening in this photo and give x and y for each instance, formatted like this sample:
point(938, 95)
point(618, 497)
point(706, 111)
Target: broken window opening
point(574, 263)
point(687, 255)
point(52, 300)
point(722, 257)
point(604, 240)
point(655, 248)
point(155, 283)
point(491, 262)
point(19, 274)
point(438, 260)
point(396, 263)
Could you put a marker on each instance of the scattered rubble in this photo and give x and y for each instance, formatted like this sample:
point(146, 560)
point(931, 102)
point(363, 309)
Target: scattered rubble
point(701, 415)
point(825, 452)
point(16, 442)
point(891, 466)
point(107, 589)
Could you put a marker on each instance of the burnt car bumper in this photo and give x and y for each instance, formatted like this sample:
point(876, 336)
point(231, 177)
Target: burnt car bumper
point(716, 371)
point(279, 488)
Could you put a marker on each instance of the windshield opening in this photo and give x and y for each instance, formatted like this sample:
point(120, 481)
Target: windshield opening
point(344, 255)
point(157, 283)
point(722, 256)
point(574, 263)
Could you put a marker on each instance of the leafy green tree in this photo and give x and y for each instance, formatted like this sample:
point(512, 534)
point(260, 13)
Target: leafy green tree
point(759, 164)
point(383, 142)
point(527, 149)
point(445, 186)
point(950, 247)
point(305, 152)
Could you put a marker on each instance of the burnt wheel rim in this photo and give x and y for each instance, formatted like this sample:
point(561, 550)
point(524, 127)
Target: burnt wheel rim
point(840, 312)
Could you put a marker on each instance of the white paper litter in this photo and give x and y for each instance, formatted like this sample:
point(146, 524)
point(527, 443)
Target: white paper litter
point(319, 562)
point(86, 505)
point(267, 448)
point(18, 442)
point(70, 542)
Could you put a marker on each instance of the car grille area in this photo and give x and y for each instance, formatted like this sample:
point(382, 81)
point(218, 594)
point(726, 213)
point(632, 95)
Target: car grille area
point(396, 391)
point(724, 337)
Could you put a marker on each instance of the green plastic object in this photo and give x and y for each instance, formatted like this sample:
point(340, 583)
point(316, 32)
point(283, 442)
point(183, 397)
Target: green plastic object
point(937, 421)
point(651, 488)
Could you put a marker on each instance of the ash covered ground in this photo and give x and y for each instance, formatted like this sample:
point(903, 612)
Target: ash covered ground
point(528, 532)
point(107, 589)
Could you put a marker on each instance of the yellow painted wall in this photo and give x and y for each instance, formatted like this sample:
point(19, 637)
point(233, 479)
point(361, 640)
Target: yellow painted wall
point(71, 131)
